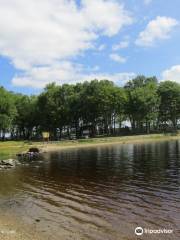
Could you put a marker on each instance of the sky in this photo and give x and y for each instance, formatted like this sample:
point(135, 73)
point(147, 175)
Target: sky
point(70, 41)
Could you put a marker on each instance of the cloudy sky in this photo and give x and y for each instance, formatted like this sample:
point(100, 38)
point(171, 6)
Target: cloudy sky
point(69, 41)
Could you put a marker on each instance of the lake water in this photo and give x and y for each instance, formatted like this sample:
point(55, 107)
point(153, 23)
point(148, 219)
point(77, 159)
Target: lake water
point(98, 193)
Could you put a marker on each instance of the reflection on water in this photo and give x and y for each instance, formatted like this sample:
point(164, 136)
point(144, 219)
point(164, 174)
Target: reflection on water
point(98, 193)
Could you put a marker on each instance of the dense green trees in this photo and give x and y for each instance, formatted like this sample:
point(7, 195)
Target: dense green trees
point(96, 107)
point(7, 111)
point(101, 103)
point(25, 119)
point(142, 102)
point(169, 108)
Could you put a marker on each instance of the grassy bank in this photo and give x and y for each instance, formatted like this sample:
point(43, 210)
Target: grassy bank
point(10, 148)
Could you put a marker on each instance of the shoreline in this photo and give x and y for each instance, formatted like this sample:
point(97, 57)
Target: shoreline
point(11, 148)
point(108, 141)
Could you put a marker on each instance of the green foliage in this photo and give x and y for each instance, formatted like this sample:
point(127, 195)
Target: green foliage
point(25, 120)
point(7, 110)
point(96, 106)
point(142, 101)
point(169, 109)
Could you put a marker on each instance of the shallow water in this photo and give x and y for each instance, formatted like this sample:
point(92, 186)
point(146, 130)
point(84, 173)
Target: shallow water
point(98, 193)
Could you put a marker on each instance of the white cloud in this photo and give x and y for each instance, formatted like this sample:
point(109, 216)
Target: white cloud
point(118, 78)
point(147, 2)
point(121, 45)
point(95, 68)
point(117, 58)
point(172, 74)
point(107, 15)
point(101, 47)
point(37, 35)
point(38, 77)
point(66, 72)
point(157, 29)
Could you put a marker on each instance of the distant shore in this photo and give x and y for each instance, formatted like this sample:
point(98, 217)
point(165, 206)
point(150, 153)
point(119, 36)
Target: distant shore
point(11, 148)
point(95, 142)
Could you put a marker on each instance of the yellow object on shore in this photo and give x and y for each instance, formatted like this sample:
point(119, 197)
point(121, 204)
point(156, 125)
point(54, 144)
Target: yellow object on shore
point(45, 134)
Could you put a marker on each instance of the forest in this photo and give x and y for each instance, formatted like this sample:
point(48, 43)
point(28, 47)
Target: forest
point(95, 108)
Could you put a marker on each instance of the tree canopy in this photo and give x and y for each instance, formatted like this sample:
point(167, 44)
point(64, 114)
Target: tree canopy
point(99, 107)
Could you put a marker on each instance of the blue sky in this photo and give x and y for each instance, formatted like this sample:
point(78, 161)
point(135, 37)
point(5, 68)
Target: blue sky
point(72, 41)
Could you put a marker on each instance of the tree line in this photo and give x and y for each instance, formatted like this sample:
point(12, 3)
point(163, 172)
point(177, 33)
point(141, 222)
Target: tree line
point(94, 108)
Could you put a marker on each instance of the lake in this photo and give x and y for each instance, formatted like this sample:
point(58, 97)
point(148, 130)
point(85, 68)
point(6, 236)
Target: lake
point(98, 193)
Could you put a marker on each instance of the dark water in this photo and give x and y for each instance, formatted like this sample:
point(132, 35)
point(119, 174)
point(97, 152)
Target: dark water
point(98, 193)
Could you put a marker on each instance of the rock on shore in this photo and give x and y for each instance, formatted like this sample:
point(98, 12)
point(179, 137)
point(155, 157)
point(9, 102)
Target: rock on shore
point(9, 163)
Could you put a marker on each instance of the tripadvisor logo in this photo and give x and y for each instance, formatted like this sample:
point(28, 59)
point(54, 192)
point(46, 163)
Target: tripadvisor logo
point(140, 231)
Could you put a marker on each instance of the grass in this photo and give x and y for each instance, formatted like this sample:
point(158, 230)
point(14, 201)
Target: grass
point(10, 148)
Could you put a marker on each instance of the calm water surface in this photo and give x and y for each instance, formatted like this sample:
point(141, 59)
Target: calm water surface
point(98, 193)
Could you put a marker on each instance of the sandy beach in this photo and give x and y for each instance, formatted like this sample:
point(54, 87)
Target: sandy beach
point(12, 228)
point(98, 142)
